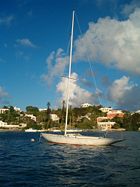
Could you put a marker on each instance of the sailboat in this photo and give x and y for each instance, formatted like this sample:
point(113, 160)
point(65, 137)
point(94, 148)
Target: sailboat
point(76, 139)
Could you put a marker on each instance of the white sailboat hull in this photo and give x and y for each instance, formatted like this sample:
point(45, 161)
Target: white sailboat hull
point(79, 139)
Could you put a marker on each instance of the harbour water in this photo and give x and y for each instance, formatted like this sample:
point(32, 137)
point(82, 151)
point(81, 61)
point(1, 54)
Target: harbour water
point(26, 163)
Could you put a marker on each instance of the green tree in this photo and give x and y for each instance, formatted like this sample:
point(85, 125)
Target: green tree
point(48, 108)
point(135, 121)
point(32, 110)
point(32, 124)
point(127, 121)
point(42, 117)
point(85, 124)
point(63, 112)
point(10, 116)
point(119, 122)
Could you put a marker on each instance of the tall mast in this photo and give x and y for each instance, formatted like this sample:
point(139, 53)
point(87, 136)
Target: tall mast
point(69, 76)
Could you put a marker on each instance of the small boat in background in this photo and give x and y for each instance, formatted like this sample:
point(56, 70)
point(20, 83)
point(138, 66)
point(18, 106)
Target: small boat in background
point(74, 130)
point(31, 130)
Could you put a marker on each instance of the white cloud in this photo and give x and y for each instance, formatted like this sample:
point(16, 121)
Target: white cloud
point(77, 94)
point(125, 94)
point(119, 88)
point(56, 63)
point(6, 20)
point(112, 42)
point(26, 42)
point(129, 8)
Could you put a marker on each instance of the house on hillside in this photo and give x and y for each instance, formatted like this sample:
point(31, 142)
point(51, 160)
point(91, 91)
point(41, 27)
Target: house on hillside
point(31, 116)
point(87, 116)
point(103, 118)
point(103, 123)
point(138, 112)
point(105, 109)
point(85, 105)
point(106, 125)
point(54, 117)
point(115, 113)
point(42, 109)
point(11, 126)
point(3, 110)
point(2, 123)
point(17, 109)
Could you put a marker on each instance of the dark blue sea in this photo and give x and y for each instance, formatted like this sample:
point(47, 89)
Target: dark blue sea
point(24, 163)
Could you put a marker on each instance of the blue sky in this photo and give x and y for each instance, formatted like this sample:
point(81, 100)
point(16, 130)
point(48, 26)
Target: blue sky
point(34, 42)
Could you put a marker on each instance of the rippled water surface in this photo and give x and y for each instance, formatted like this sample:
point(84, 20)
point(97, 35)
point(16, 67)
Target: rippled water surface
point(41, 164)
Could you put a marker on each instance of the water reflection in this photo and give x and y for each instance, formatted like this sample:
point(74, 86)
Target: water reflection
point(26, 163)
point(103, 166)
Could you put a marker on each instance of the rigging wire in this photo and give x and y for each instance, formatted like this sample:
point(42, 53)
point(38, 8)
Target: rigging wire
point(88, 60)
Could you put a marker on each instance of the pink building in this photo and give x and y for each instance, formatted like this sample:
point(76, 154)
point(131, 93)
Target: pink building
point(115, 113)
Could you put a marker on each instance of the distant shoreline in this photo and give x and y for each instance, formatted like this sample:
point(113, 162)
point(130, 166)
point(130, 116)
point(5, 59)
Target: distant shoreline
point(11, 130)
point(82, 130)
